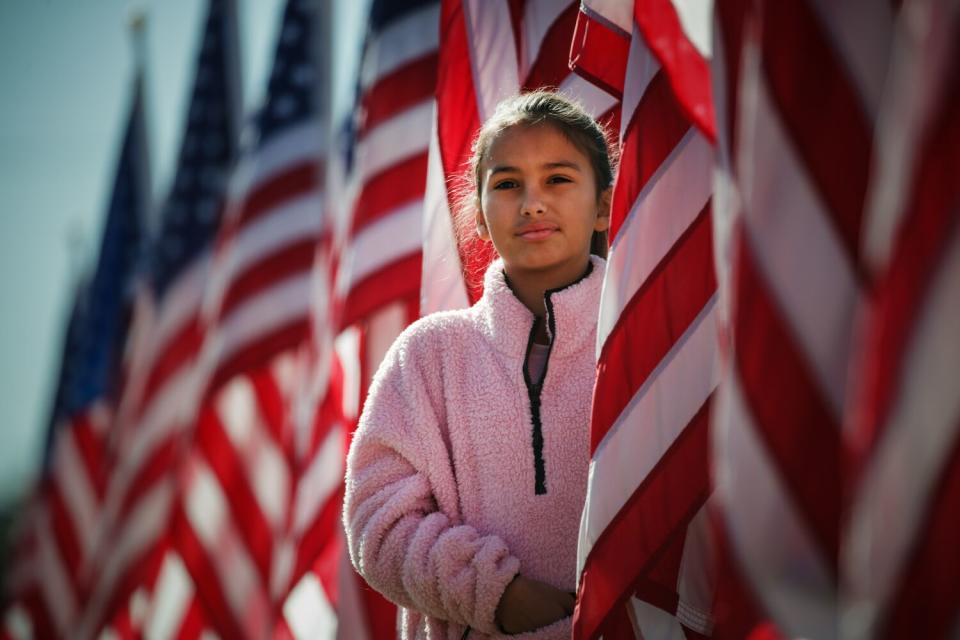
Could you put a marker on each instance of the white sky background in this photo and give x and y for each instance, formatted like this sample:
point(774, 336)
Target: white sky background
point(65, 79)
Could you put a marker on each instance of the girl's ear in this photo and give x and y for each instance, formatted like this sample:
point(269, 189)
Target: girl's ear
point(602, 222)
point(482, 230)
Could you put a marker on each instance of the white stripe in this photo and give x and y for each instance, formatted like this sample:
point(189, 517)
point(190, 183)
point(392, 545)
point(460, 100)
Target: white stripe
point(16, 622)
point(921, 431)
point(301, 144)
point(308, 611)
point(206, 510)
point(615, 12)
point(180, 303)
point(394, 140)
point(795, 244)
point(594, 99)
point(695, 20)
point(295, 220)
point(769, 540)
point(670, 202)
point(320, 479)
point(538, 17)
point(392, 237)
point(283, 302)
point(646, 428)
point(493, 54)
point(652, 622)
point(696, 584)
point(171, 598)
point(442, 285)
point(410, 38)
point(641, 67)
point(73, 482)
point(265, 466)
point(915, 80)
point(861, 32)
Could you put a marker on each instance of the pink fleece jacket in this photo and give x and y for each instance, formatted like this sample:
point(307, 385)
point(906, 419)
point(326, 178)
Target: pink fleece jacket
point(462, 473)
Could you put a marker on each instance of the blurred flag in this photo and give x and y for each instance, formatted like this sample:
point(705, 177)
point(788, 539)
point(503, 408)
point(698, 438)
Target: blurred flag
point(803, 94)
point(900, 558)
point(378, 277)
point(159, 400)
point(645, 557)
point(489, 50)
point(51, 573)
point(246, 496)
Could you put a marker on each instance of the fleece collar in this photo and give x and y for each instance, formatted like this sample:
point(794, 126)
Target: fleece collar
point(573, 311)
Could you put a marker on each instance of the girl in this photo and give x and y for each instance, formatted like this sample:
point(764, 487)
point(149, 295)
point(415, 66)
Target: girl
point(467, 474)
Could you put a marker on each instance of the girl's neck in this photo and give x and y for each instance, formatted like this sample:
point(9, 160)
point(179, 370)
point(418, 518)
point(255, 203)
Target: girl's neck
point(530, 286)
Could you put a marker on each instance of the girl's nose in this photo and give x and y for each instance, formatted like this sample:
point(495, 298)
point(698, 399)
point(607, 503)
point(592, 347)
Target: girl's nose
point(533, 203)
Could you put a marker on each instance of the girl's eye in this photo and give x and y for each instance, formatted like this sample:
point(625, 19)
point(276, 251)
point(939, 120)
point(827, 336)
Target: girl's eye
point(505, 184)
point(558, 179)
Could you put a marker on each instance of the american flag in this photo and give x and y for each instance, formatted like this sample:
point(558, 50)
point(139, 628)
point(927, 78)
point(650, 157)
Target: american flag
point(645, 552)
point(378, 277)
point(489, 50)
point(55, 570)
point(796, 148)
point(157, 405)
point(247, 494)
point(901, 565)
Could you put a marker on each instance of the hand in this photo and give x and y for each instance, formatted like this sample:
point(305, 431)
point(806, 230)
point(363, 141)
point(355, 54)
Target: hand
point(530, 604)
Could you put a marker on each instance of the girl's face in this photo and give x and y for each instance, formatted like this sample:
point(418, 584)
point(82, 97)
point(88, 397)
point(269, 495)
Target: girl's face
point(539, 202)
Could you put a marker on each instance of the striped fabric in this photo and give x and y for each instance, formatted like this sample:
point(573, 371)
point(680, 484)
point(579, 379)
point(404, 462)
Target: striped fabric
point(160, 397)
point(903, 570)
point(644, 561)
point(797, 147)
point(380, 262)
point(240, 512)
point(489, 50)
point(378, 275)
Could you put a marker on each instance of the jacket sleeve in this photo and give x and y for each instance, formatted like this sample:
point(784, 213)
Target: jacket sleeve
point(401, 509)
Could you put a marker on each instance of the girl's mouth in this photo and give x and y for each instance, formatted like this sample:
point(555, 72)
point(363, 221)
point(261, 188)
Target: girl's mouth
point(537, 232)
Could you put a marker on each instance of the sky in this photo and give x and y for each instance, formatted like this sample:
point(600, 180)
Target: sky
point(65, 70)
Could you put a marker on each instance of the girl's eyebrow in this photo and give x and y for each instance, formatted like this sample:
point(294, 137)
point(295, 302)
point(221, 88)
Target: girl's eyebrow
point(558, 164)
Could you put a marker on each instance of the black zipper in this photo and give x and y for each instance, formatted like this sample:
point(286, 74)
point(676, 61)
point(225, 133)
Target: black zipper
point(535, 389)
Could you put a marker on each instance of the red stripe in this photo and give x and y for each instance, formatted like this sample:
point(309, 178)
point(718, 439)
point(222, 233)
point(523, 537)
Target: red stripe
point(64, 532)
point(292, 182)
point(800, 431)
point(674, 490)
point(260, 350)
point(656, 128)
point(551, 66)
point(171, 357)
point(396, 185)
point(395, 281)
point(90, 448)
point(457, 124)
point(221, 616)
point(156, 467)
point(930, 222)
point(599, 53)
point(329, 413)
point(229, 467)
point(271, 405)
point(193, 624)
point(323, 532)
point(657, 315)
point(285, 262)
point(822, 113)
point(927, 597)
point(687, 70)
point(401, 89)
point(40, 616)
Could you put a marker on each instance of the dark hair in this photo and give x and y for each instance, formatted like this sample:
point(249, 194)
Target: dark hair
point(543, 106)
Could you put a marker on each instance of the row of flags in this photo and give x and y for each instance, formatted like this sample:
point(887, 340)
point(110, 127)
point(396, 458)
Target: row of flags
point(774, 423)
